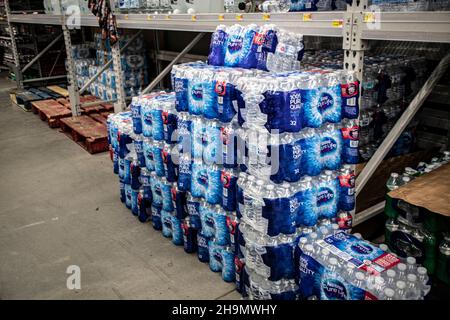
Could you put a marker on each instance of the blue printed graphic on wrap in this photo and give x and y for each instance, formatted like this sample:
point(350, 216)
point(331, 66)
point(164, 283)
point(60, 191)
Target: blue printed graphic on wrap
point(196, 97)
point(128, 195)
point(157, 124)
point(327, 198)
point(184, 135)
point(331, 148)
point(217, 47)
point(221, 232)
point(306, 214)
point(234, 46)
point(280, 260)
point(158, 160)
point(311, 115)
point(207, 221)
point(212, 143)
point(215, 256)
point(177, 231)
point(213, 187)
point(146, 119)
point(134, 202)
point(157, 193)
point(136, 116)
point(127, 173)
point(280, 219)
point(139, 148)
point(148, 154)
point(203, 250)
point(181, 94)
point(248, 58)
point(330, 103)
point(199, 179)
point(198, 132)
point(184, 173)
point(166, 220)
point(167, 203)
point(156, 218)
point(228, 267)
point(193, 208)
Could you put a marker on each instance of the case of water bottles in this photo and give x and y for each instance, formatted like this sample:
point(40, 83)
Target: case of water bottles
point(340, 266)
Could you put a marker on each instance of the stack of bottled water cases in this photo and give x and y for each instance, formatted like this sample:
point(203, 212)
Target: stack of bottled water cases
point(134, 66)
point(335, 265)
point(300, 136)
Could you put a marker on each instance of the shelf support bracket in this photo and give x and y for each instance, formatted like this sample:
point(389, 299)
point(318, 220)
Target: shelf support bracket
point(51, 44)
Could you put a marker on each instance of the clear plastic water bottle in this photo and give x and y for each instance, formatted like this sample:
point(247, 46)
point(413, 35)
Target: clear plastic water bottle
point(389, 294)
point(400, 286)
point(275, 6)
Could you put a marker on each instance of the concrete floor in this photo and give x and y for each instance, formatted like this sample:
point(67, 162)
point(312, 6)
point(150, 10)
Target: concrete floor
point(60, 206)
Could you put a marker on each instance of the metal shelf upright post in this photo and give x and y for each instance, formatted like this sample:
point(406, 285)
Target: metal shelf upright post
point(17, 70)
point(74, 94)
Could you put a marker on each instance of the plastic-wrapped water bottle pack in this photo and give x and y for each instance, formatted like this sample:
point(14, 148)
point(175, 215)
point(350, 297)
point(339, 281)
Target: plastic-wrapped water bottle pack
point(340, 266)
point(266, 48)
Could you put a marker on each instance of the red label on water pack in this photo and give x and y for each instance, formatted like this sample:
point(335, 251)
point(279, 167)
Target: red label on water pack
point(347, 180)
point(351, 133)
point(164, 156)
point(225, 178)
point(350, 89)
point(220, 88)
point(231, 226)
point(369, 296)
point(165, 117)
point(173, 191)
point(139, 199)
point(344, 222)
point(224, 133)
point(259, 38)
point(387, 260)
point(185, 228)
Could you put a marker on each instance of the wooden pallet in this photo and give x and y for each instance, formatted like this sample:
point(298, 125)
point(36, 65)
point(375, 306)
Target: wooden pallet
point(62, 91)
point(87, 132)
point(50, 111)
point(98, 117)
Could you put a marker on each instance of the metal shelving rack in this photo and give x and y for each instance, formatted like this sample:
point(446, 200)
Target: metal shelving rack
point(356, 27)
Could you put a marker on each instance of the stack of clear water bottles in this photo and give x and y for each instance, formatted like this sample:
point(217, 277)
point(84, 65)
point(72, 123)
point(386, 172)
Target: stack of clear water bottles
point(335, 265)
point(134, 66)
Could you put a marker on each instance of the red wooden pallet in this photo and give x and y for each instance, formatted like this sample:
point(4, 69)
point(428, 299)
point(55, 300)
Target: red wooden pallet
point(108, 107)
point(50, 111)
point(87, 132)
point(98, 117)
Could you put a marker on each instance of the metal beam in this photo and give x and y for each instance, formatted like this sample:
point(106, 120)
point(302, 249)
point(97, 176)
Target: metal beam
point(36, 58)
point(401, 124)
point(369, 213)
point(106, 66)
point(45, 78)
point(169, 67)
